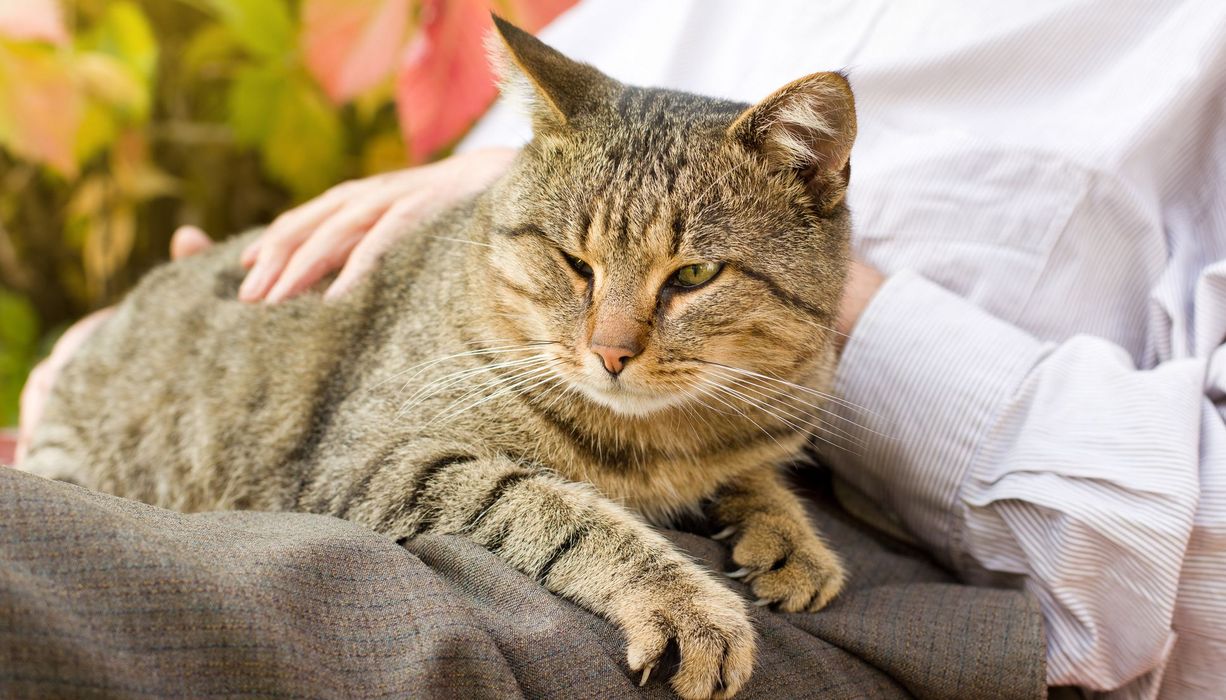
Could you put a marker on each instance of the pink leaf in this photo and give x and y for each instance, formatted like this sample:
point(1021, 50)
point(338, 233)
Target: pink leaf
point(445, 82)
point(40, 106)
point(352, 45)
point(37, 20)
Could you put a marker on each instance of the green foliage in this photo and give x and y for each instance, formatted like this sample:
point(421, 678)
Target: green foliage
point(263, 27)
point(299, 136)
point(18, 349)
point(154, 114)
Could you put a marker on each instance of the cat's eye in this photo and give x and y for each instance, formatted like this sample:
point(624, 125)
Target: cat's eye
point(695, 275)
point(580, 267)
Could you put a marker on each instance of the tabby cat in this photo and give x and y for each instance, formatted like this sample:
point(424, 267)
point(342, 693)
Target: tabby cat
point(631, 325)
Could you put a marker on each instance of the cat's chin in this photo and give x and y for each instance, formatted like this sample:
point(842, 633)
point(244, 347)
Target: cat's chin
point(630, 402)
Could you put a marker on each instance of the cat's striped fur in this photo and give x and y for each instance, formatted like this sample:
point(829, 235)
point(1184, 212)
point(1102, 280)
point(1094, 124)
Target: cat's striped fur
point(456, 392)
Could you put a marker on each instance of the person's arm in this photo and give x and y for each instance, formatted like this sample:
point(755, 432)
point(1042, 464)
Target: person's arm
point(1058, 467)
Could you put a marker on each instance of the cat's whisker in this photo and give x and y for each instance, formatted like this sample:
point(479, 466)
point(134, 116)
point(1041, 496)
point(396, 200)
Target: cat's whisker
point(490, 383)
point(432, 390)
point(824, 327)
point(799, 387)
point(567, 389)
point(787, 418)
point(708, 390)
point(482, 368)
point(460, 240)
point(480, 351)
point(444, 383)
point(692, 413)
point(533, 341)
point(467, 372)
point(689, 403)
point(550, 378)
point(775, 394)
point(447, 381)
point(499, 381)
point(470, 353)
point(518, 386)
point(820, 426)
point(764, 408)
point(798, 428)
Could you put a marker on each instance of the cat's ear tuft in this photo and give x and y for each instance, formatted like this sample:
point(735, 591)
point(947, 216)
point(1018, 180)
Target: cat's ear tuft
point(555, 89)
point(807, 127)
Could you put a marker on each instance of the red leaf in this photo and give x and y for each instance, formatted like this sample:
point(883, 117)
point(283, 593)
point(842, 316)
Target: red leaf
point(32, 20)
point(8, 447)
point(350, 46)
point(445, 82)
point(532, 15)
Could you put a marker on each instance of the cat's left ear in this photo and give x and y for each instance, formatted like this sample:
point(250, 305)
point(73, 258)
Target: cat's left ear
point(807, 127)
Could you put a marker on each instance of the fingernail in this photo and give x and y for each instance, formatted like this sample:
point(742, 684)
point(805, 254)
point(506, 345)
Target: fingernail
point(276, 295)
point(335, 291)
point(253, 285)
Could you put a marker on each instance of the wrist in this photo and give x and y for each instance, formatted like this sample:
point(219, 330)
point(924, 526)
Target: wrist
point(863, 282)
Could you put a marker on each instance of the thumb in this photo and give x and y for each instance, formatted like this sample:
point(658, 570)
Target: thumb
point(187, 241)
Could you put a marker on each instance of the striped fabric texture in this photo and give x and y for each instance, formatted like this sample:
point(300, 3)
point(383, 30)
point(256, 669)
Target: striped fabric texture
point(1042, 378)
point(103, 597)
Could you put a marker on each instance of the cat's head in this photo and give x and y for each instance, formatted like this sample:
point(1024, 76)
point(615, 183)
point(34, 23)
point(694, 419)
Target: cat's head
point(664, 243)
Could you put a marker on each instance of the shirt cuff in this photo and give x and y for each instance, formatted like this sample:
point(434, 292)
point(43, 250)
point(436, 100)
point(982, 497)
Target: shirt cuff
point(929, 371)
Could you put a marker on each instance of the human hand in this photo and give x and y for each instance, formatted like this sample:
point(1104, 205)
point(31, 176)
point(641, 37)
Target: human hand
point(862, 284)
point(352, 224)
point(188, 240)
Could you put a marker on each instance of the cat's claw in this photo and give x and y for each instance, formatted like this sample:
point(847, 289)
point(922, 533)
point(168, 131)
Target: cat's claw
point(784, 564)
point(724, 534)
point(706, 625)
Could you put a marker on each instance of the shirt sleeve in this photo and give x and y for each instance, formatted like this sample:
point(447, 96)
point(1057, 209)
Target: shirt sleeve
point(1058, 467)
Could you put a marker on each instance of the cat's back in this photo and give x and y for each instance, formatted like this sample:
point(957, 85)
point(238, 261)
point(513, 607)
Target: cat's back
point(191, 399)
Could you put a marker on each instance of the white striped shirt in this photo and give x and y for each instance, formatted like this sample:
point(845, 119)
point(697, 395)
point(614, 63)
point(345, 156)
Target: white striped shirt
point(1044, 370)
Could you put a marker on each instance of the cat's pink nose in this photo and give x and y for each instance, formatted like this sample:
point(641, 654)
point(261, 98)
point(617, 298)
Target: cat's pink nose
point(614, 357)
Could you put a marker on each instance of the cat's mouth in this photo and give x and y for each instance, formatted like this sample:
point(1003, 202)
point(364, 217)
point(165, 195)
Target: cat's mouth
point(626, 399)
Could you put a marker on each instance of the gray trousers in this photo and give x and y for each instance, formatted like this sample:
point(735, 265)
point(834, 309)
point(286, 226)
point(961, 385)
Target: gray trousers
point(103, 597)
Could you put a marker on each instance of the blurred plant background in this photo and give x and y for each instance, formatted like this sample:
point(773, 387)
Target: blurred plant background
point(121, 120)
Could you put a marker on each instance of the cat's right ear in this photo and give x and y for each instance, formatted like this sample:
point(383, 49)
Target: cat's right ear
point(557, 90)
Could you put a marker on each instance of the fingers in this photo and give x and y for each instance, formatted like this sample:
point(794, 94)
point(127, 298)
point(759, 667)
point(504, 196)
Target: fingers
point(327, 248)
point(393, 225)
point(187, 241)
point(251, 253)
point(354, 223)
point(270, 253)
point(270, 261)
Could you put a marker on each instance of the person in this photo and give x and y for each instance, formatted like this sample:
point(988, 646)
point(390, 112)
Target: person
point(1033, 385)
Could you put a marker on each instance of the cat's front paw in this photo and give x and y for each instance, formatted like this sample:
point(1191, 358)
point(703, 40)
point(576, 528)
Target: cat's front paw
point(702, 621)
point(785, 564)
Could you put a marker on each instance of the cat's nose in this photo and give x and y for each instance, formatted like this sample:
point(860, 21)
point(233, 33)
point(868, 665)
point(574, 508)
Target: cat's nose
point(616, 338)
point(614, 357)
